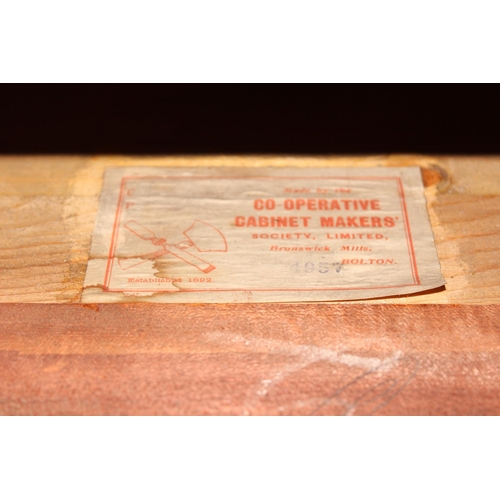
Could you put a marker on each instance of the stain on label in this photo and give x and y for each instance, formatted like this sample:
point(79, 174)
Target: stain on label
point(260, 235)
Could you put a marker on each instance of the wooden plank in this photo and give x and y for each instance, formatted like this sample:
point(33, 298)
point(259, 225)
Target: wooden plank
point(273, 359)
point(48, 207)
point(377, 357)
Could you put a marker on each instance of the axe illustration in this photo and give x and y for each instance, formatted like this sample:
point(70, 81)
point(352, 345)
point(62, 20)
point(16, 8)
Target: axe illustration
point(200, 235)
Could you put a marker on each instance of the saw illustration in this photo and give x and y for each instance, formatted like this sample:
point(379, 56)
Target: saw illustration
point(200, 236)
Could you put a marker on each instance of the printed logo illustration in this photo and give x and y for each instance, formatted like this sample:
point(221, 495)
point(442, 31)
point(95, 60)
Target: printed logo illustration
point(199, 237)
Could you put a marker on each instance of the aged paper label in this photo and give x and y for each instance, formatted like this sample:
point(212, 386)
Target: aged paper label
point(260, 235)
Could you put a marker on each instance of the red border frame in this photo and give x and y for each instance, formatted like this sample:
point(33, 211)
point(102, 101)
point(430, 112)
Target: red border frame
point(114, 236)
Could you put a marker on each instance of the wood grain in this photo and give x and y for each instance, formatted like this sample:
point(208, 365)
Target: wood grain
point(273, 359)
point(48, 207)
point(431, 353)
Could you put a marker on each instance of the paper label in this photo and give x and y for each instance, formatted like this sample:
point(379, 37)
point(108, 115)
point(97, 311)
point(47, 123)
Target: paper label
point(260, 235)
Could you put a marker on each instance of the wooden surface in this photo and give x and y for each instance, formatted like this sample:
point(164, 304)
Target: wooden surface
point(48, 206)
point(294, 359)
point(431, 353)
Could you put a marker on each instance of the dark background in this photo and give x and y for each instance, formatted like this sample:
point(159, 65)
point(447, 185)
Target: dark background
point(282, 119)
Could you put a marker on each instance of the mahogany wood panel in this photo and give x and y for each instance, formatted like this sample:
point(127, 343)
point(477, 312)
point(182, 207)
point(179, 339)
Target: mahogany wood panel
point(272, 359)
